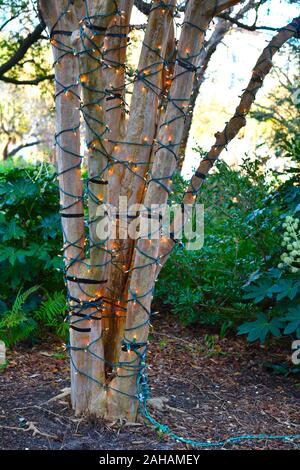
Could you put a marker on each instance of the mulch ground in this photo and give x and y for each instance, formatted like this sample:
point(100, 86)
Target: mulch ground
point(215, 388)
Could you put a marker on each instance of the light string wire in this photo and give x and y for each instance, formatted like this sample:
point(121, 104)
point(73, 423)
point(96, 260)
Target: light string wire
point(91, 308)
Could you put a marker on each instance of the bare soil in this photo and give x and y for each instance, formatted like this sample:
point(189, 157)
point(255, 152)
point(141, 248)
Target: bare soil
point(216, 388)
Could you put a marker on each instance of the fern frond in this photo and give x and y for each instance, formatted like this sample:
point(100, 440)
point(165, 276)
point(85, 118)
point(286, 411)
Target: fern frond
point(15, 325)
point(21, 299)
point(52, 310)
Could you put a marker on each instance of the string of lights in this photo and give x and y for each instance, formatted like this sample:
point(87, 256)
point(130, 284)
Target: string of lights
point(105, 300)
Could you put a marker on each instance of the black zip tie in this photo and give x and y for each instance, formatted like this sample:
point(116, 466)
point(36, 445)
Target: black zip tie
point(81, 280)
point(71, 216)
point(131, 346)
point(58, 31)
point(117, 35)
point(186, 65)
point(119, 216)
point(81, 330)
point(200, 175)
point(95, 181)
point(85, 316)
point(113, 96)
point(94, 27)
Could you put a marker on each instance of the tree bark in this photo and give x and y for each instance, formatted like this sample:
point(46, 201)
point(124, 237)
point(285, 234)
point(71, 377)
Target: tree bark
point(222, 28)
point(111, 282)
point(124, 395)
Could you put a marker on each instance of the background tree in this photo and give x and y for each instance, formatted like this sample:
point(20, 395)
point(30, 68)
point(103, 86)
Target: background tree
point(25, 121)
point(23, 46)
point(281, 107)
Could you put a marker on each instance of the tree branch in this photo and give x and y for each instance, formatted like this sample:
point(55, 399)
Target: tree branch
point(221, 29)
point(260, 71)
point(8, 21)
point(242, 25)
point(23, 48)
point(34, 81)
point(23, 146)
point(143, 6)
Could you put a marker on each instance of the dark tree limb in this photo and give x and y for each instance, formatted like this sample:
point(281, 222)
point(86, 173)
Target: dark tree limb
point(31, 39)
point(34, 81)
point(242, 25)
point(23, 146)
point(7, 22)
point(143, 6)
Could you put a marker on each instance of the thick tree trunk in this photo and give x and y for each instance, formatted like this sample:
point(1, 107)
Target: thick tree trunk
point(89, 44)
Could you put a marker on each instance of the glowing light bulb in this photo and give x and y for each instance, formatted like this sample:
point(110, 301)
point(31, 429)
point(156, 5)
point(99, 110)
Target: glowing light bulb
point(84, 78)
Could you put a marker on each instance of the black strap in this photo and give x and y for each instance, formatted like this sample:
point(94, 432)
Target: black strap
point(82, 280)
point(85, 316)
point(95, 181)
point(117, 35)
point(200, 175)
point(94, 27)
point(186, 65)
point(58, 31)
point(81, 330)
point(113, 96)
point(71, 216)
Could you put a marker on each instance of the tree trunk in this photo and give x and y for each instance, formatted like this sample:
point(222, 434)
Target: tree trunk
point(222, 28)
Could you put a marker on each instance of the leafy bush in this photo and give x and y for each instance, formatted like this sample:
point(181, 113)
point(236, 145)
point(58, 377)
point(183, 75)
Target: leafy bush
point(30, 241)
point(277, 292)
point(241, 224)
point(30, 234)
point(248, 272)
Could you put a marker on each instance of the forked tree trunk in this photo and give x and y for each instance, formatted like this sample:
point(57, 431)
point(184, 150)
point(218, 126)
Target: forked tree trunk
point(221, 29)
point(110, 282)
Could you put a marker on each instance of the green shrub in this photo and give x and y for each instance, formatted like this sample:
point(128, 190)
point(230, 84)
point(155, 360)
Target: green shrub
point(30, 232)
point(241, 223)
point(30, 243)
point(277, 291)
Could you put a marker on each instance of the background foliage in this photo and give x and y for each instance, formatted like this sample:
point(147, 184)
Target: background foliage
point(30, 242)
